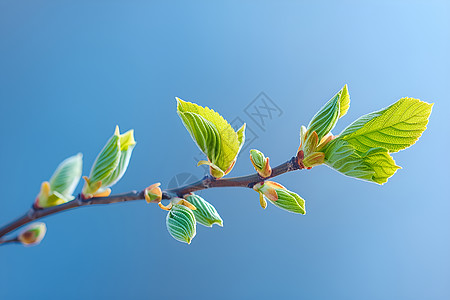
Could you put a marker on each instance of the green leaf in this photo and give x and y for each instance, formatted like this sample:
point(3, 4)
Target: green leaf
point(111, 163)
point(205, 214)
point(381, 163)
point(394, 128)
point(127, 144)
point(212, 134)
point(241, 136)
point(375, 165)
point(344, 102)
point(289, 201)
point(66, 176)
point(107, 161)
point(326, 118)
point(180, 223)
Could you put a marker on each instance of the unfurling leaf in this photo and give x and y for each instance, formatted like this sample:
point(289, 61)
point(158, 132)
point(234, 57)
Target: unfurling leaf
point(33, 234)
point(362, 149)
point(394, 128)
point(325, 119)
point(205, 213)
point(261, 163)
point(213, 135)
point(280, 196)
point(110, 165)
point(62, 183)
point(318, 134)
point(180, 223)
point(375, 165)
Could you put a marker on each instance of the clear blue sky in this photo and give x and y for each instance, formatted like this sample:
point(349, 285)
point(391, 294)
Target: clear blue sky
point(71, 70)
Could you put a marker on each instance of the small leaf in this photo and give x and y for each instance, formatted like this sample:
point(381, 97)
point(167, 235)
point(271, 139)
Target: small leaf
point(241, 136)
point(394, 128)
point(205, 213)
point(326, 118)
point(290, 201)
point(213, 135)
point(280, 196)
point(107, 161)
point(111, 164)
point(66, 177)
point(382, 163)
point(375, 165)
point(119, 171)
point(344, 103)
point(180, 223)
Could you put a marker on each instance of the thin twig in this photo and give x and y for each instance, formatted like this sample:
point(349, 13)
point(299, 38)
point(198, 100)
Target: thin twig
point(207, 182)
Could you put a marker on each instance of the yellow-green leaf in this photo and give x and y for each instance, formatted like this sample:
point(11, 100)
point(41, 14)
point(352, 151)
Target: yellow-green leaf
point(344, 102)
point(289, 201)
point(326, 118)
point(394, 128)
point(213, 135)
point(381, 163)
point(375, 165)
point(107, 161)
point(111, 163)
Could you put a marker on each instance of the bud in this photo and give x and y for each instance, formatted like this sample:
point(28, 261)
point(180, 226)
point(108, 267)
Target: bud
point(33, 234)
point(261, 163)
point(326, 118)
point(205, 213)
point(62, 183)
point(309, 152)
point(318, 134)
point(110, 165)
point(153, 193)
point(280, 196)
point(180, 223)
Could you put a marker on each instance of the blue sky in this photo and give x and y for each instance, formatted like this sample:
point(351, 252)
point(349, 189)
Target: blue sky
point(71, 70)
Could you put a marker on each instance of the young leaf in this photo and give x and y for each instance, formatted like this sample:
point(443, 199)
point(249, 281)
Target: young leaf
point(110, 165)
point(394, 128)
point(381, 163)
point(375, 165)
point(205, 213)
point(290, 201)
point(62, 183)
point(280, 196)
point(180, 223)
point(66, 177)
point(127, 143)
point(241, 136)
point(107, 161)
point(326, 118)
point(213, 135)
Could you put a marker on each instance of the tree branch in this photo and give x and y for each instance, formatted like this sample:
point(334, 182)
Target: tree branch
point(207, 182)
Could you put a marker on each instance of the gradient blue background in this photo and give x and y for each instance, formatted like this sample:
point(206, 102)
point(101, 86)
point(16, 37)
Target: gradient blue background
point(71, 70)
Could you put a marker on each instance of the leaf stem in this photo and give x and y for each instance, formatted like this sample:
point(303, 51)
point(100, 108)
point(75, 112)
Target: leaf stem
point(207, 182)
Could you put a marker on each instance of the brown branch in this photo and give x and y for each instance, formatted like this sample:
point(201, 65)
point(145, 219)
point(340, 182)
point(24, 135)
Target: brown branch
point(208, 182)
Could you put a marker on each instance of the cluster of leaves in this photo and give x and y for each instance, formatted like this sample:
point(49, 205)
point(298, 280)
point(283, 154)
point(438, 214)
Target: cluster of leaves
point(107, 170)
point(362, 150)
